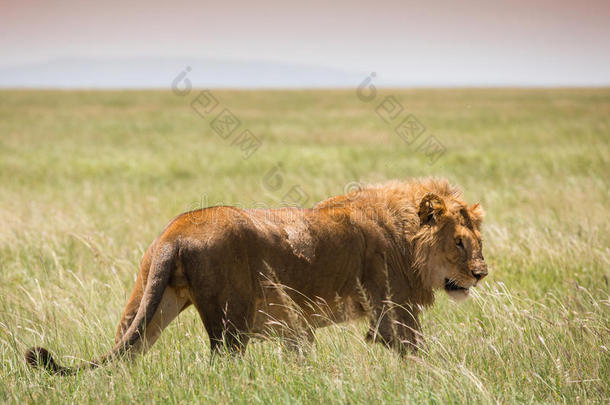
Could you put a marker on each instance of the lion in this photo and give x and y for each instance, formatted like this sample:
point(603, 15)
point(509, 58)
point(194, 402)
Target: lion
point(379, 252)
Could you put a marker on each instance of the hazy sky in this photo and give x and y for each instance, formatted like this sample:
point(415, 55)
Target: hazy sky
point(409, 43)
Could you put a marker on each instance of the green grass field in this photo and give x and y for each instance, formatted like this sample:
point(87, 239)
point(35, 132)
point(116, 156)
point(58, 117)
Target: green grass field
point(88, 179)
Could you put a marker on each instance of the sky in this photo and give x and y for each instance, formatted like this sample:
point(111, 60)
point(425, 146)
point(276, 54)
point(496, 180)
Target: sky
point(305, 44)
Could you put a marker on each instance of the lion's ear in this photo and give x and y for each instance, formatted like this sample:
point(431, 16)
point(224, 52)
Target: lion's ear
point(431, 209)
point(476, 213)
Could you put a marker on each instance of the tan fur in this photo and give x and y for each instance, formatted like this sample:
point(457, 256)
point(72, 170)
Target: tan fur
point(378, 252)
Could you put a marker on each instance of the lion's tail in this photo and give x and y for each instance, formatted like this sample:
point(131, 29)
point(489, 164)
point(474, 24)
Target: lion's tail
point(158, 279)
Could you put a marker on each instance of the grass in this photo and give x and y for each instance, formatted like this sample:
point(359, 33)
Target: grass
point(89, 178)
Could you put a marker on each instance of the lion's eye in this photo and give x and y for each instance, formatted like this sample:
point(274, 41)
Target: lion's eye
point(459, 243)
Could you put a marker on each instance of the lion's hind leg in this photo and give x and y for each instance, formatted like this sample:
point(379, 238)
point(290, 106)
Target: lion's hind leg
point(173, 302)
point(228, 324)
point(133, 303)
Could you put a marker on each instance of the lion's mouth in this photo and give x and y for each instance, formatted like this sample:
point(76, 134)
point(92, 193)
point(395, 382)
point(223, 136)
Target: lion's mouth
point(451, 285)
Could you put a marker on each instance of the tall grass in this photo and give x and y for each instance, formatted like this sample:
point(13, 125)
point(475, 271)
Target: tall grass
point(88, 179)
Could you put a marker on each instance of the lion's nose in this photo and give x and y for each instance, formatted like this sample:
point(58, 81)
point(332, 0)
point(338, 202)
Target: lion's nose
point(479, 274)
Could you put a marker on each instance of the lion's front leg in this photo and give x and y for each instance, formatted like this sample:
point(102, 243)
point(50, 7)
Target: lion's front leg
point(397, 327)
point(299, 340)
point(392, 324)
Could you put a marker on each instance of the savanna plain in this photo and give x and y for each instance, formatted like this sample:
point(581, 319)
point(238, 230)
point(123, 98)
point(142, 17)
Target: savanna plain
point(89, 178)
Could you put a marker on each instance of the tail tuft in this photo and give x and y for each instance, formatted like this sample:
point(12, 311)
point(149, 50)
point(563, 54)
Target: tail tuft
point(39, 357)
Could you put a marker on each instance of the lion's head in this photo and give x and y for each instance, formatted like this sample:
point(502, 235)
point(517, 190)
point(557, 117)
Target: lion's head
point(448, 246)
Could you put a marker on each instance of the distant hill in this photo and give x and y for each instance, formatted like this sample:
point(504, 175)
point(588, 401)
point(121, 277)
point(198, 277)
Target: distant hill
point(160, 72)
